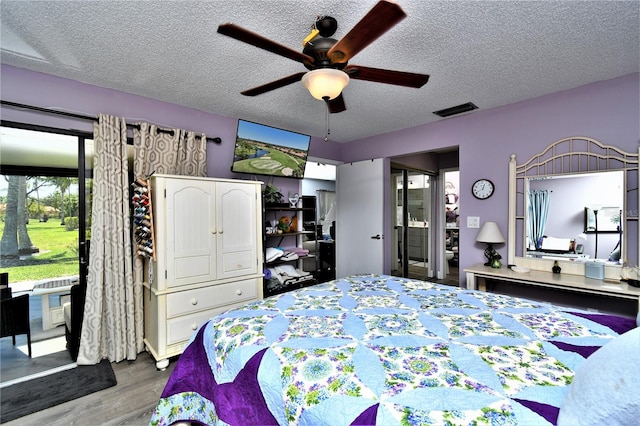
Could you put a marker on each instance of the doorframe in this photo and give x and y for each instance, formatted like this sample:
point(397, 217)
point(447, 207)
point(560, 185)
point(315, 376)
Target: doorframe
point(442, 228)
point(397, 169)
point(393, 230)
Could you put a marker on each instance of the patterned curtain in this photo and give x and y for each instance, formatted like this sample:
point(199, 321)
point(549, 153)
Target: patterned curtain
point(180, 153)
point(537, 216)
point(112, 308)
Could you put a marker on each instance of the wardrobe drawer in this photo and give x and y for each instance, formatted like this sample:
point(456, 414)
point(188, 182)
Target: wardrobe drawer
point(200, 299)
point(182, 328)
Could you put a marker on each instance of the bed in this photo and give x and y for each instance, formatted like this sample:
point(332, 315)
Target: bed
point(377, 349)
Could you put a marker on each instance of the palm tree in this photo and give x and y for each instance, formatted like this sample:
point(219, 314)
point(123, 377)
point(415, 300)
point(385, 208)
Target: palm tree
point(24, 242)
point(36, 188)
point(9, 242)
point(63, 183)
point(15, 237)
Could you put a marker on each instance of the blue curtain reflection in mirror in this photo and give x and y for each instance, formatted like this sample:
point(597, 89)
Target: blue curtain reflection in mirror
point(538, 211)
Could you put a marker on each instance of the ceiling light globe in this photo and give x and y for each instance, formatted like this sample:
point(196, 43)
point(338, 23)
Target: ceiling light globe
point(325, 83)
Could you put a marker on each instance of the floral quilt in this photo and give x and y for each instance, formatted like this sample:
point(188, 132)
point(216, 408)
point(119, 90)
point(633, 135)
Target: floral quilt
point(382, 350)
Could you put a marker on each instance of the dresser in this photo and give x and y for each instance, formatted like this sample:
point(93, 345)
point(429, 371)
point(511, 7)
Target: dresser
point(477, 275)
point(208, 245)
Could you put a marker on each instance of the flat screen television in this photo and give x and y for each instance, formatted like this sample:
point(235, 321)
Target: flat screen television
point(266, 150)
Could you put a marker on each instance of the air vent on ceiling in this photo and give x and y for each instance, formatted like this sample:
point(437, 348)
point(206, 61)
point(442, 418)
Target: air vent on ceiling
point(458, 109)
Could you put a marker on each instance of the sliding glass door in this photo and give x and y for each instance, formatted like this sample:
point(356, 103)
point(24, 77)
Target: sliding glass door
point(411, 245)
point(45, 189)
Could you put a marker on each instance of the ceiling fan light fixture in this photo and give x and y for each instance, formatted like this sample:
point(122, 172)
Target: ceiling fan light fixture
point(325, 83)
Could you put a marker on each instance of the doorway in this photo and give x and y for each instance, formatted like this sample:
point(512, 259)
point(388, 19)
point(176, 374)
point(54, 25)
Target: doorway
point(412, 247)
point(45, 192)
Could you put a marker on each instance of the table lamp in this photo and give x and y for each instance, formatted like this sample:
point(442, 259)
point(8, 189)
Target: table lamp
point(490, 234)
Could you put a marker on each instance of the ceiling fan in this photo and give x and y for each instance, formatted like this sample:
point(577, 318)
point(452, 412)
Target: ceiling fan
point(328, 58)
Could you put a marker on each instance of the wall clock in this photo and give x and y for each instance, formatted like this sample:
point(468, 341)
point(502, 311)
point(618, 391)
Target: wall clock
point(482, 189)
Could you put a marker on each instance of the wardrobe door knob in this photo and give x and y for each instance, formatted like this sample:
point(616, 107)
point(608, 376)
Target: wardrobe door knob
point(213, 231)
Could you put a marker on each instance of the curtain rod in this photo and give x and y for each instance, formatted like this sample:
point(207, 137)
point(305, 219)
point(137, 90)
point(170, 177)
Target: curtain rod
point(88, 117)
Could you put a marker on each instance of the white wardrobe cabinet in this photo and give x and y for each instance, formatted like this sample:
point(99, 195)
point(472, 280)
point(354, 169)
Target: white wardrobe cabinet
point(208, 244)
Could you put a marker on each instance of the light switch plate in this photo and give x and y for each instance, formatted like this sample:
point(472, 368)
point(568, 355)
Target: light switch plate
point(473, 222)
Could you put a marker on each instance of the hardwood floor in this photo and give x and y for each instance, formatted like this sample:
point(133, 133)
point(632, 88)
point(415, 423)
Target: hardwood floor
point(416, 272)
point(15, 363)
point(130, 402)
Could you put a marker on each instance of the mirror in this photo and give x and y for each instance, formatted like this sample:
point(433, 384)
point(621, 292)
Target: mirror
point(411, 240)
point(577, 216)
point(578, 158)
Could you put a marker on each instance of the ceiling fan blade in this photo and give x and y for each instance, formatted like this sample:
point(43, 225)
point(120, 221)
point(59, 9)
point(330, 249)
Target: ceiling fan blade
point(398, 78)
point(274, 85)
point(257, 40)
point(378, 21)
point(336, 104)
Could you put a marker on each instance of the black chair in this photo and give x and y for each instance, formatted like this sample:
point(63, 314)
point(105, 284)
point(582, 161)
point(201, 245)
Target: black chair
point(5, 290)
point(14, 314)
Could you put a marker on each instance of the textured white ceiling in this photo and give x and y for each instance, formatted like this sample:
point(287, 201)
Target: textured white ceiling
point(491, 53)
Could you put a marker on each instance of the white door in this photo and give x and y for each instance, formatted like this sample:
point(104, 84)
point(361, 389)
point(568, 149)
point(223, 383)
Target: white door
point(190, 231)
point(237, 229)
point(360, 218)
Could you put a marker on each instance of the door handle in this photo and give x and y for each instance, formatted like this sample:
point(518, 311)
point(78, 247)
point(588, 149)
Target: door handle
point(84, 253)
point(376, 237)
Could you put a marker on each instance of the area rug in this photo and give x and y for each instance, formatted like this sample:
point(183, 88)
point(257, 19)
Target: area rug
point(38, 394)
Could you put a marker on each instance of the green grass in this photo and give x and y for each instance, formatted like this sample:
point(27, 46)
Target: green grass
point(58, 254)
point(276, 162)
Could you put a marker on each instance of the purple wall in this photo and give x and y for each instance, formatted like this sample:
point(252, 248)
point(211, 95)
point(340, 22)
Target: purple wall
point(608, 111)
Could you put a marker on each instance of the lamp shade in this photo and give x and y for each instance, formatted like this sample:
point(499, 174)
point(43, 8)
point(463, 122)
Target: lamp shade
point(325, 82)
point(595, 207)
point(490, 233)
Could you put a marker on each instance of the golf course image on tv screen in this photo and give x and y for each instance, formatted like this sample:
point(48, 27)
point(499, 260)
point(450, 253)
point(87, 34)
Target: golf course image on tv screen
point(266, 150)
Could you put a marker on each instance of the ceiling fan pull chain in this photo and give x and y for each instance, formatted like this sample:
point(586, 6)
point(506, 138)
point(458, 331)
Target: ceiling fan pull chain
point(326, 101)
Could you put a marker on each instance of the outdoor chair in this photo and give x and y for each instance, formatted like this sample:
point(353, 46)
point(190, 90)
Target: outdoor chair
point(5, 290)
point(14, 316)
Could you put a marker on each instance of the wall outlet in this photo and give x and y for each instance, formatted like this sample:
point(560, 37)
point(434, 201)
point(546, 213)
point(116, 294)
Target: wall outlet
point(473, 221)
